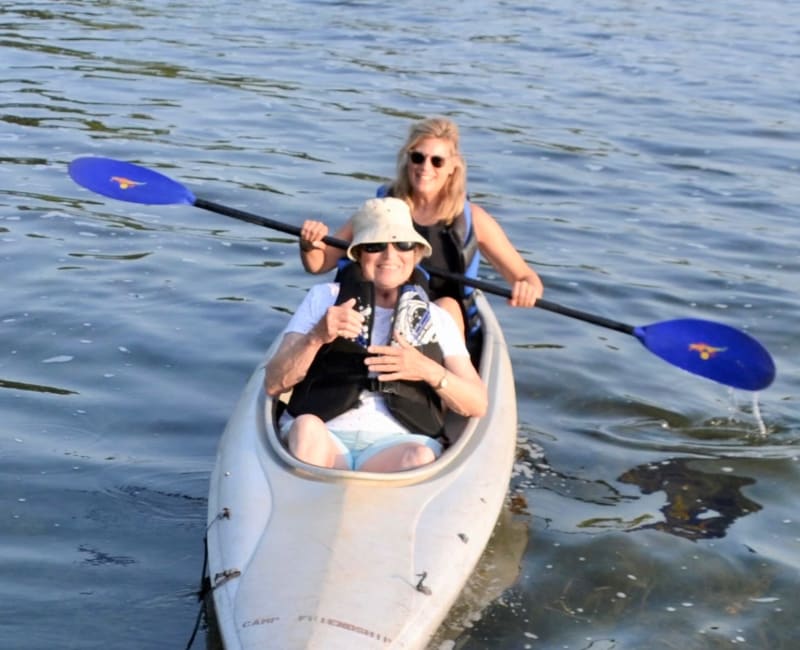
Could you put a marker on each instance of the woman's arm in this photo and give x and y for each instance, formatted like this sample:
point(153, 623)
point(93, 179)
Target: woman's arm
point(526, 285)
point(291, 362)
point(464, 392)
point(315, 254)
point(289, 365)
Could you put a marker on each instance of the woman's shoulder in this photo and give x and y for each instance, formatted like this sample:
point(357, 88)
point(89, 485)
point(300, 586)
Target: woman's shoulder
point(478, 213)
point(323, 293)
point(485, 225)
point(325, 290)
point(318, 298)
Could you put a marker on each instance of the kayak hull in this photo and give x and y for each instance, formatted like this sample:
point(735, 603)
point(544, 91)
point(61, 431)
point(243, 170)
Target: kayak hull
point(303, 557)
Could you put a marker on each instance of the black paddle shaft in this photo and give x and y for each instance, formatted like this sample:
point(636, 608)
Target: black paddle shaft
point(456, 277)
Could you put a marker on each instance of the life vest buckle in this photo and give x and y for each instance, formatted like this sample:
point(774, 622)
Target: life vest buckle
point(373, 385)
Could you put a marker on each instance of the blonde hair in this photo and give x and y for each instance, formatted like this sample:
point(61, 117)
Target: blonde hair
point(454, 193)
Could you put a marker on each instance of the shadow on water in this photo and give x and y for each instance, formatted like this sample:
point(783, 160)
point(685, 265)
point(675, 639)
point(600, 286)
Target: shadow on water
point(699, 505)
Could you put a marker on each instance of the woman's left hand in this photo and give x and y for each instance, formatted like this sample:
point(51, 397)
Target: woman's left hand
point(396, 362)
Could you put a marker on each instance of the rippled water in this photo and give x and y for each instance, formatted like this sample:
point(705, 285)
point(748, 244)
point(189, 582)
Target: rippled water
point(643, 156)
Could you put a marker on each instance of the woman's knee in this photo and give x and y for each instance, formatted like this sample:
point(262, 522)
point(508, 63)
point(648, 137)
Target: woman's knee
point(307, 431)
point(397, 459)
point(310, 441)
point(417, 455)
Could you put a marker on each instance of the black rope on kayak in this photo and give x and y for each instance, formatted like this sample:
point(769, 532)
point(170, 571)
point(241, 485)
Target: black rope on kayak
point(205, 588)
point(205, 583)
point(200, 611)
point(205, 579)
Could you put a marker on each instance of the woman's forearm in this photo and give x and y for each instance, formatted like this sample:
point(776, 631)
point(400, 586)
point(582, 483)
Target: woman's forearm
point(315, 254)
point(314, 259)
point(466, 395)
point(291, 362)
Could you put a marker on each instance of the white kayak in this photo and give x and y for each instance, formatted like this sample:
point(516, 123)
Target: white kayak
point(303, 557)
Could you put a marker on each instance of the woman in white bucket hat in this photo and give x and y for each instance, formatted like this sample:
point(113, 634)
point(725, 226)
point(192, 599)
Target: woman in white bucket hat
point(372, 363)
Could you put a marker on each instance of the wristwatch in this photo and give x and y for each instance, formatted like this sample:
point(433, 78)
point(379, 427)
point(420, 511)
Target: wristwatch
point(442, 382)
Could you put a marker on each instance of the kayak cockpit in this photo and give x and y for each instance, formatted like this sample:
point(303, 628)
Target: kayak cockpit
point(459, 430)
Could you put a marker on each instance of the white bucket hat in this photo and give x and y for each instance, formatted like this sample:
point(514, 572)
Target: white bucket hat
point(382, 221)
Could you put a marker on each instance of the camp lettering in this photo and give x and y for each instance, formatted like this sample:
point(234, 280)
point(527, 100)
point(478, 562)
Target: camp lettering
point(261, 621)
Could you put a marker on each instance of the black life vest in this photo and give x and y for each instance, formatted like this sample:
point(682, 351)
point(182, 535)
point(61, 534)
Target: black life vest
point(337, 374)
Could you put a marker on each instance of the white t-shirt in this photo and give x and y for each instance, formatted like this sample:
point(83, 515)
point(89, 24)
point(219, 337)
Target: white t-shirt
point(371, 414)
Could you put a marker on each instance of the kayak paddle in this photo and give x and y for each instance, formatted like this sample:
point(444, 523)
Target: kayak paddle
point(706, 348)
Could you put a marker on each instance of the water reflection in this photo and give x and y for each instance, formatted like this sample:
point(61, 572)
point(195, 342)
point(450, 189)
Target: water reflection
point(700, 505)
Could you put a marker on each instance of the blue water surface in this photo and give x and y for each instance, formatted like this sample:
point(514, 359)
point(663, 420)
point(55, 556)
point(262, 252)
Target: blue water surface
point(642, 157)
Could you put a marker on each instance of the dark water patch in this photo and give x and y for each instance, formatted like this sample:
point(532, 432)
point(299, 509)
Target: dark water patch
point(162, 498)
point(700, 505)
point(96, 557)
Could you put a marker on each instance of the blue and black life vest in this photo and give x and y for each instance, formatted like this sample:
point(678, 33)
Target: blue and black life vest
point(455, 249)
point(337, 374)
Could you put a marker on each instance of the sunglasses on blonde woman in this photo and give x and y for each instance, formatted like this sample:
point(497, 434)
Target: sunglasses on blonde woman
point(379, 247)
point(419, 158)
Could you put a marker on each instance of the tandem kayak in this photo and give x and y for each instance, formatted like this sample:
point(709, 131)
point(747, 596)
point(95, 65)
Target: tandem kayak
point(311, 558)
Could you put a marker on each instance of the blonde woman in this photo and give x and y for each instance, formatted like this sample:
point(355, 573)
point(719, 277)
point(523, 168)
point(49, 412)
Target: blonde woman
point(431, 179)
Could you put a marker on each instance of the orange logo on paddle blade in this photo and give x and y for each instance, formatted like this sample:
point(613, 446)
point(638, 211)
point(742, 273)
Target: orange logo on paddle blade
point(125, 183)
point(705, 351)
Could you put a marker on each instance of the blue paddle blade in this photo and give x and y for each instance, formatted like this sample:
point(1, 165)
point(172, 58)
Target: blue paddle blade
point(712, 350)
point(125, 181)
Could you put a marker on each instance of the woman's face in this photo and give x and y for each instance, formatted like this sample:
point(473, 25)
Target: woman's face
point(389, 268)
point(425, 176)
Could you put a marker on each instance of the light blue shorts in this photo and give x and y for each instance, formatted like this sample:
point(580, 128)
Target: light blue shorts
point(359, 446)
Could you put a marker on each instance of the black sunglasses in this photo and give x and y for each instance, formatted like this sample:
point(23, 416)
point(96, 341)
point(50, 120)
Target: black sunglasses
point(379, 247)
point(418, 158)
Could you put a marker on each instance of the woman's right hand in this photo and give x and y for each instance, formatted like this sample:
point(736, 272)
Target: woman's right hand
point(311, 235)
point(339, 320)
